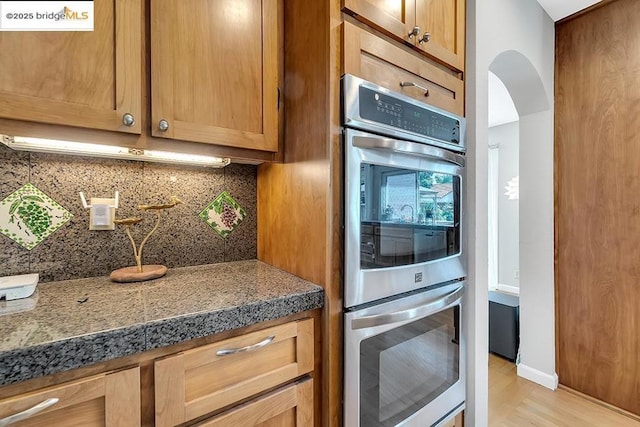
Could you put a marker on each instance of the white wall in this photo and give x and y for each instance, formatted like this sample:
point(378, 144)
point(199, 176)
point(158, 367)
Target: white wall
point(475, 312)
point(495, 26)
point(537, 312)
point(506, 137)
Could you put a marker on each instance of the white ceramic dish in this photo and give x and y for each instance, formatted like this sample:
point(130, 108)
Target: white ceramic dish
point(17, 287)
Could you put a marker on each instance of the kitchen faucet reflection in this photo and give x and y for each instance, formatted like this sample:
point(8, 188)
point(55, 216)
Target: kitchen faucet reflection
point(408, 206)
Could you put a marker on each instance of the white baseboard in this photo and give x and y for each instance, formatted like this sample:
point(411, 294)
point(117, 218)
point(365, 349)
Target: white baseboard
point(538, 377)
point(508, 288)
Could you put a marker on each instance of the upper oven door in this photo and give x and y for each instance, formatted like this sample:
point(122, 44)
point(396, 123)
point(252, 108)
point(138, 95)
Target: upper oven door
point(403, 216)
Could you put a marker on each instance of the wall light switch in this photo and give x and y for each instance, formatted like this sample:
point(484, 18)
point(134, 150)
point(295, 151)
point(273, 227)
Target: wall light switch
point(101, 214)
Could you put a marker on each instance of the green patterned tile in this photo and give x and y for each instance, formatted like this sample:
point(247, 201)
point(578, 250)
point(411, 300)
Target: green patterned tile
point(223, 214)
point(28, 216)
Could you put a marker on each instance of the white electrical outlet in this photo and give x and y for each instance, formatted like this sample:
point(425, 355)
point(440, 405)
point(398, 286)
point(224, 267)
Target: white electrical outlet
point(516, 274)
point(102, 213)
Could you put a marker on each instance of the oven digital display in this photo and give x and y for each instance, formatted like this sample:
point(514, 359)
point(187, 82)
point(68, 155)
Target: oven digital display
point(387, 110)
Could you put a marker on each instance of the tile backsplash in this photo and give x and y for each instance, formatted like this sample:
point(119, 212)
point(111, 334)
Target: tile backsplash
point(183, 239)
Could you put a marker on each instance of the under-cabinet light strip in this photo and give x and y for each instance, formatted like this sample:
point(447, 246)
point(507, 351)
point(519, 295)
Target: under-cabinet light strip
point(110, 151)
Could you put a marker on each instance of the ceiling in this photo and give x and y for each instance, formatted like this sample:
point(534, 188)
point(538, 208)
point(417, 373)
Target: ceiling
point(558, 9)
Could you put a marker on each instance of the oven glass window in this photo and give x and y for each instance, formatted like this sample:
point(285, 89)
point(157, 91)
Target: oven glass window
point(407, 216)
point(404, 369)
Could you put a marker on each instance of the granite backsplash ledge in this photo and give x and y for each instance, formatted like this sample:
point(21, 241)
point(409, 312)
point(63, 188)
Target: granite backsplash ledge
point(183, 239)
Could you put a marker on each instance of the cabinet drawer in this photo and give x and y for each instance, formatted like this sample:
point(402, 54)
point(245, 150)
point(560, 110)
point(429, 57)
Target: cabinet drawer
point(382, 62)
point(289, 406)
point(106, 399)
point(199, 381)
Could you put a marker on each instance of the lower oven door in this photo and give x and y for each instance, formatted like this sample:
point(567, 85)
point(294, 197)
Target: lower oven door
point(404, 360)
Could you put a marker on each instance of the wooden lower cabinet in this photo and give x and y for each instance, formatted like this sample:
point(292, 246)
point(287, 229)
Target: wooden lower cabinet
point(261, 377)
point(291, 405)
point(111, 399)
point(200, 381)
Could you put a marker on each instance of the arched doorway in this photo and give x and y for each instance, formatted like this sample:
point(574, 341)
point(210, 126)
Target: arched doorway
point(503, 172)
point(536, 274)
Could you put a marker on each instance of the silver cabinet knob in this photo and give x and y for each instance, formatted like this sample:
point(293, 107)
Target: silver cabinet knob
point(425, 38)
point(414, 32)
point(128, 120)
point(163, 125)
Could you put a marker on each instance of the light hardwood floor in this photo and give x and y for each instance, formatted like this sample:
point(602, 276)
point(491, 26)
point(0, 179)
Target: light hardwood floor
point(514, 401)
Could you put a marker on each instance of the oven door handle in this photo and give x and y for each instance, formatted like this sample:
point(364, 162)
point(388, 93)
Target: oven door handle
point(420, 311)
point(413, 148)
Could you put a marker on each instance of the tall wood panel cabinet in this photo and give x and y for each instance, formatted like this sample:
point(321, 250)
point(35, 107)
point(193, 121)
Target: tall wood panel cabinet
point(597, 154)
point(89, 79)
point(435, 27)
point(300, 199)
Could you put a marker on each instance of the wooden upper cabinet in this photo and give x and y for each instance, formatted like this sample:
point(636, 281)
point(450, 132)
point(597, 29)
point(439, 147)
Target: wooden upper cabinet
point(87, 79)
point(436, 27)
point(101, 400)
point(442, 30)
point(396, 17)
point(215, 71)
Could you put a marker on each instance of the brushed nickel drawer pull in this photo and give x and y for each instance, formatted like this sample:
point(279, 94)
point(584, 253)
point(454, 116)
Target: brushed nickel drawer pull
point(227, 352)
point(412, 84)
point(28, 413)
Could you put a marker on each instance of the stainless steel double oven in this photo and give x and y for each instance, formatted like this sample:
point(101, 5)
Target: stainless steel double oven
point(404, 262)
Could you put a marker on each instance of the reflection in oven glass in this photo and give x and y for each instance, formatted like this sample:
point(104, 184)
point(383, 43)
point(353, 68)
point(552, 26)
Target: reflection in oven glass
point(404, 369)
point(407, 216)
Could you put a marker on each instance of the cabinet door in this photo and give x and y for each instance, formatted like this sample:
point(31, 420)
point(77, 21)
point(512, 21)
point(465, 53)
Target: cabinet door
point(393, 17)
point(387, 64)
point(205, 379)
point(215, 71)
point(443, 21)
point(290, 406)
point(89, 79)
point(102, 400)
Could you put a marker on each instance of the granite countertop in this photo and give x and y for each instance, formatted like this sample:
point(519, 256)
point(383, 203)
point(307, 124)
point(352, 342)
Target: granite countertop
point(81, 322)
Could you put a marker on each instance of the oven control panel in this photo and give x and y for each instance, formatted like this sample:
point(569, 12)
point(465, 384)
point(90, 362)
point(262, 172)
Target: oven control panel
point(388, 110)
